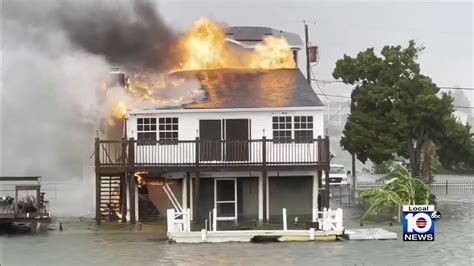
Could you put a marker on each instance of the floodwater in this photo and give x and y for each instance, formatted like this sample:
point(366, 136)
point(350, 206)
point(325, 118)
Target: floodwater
point(83, 243)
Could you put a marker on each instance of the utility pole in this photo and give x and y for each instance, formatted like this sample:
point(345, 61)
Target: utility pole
point(354, 178)
point(308, 66)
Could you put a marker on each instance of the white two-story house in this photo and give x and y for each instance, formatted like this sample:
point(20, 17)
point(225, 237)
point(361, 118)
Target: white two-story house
point(253, 144)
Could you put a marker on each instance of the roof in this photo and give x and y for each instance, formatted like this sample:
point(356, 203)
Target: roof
point(19, 178)
point(253, 35)
point(240, 88)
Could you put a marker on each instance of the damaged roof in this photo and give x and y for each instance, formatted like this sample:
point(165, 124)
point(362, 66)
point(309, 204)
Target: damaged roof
point(254, 35)
point(239, 88)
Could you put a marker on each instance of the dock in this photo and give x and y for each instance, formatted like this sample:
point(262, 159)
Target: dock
point(247, 236)
point(369, 234)
point(21, 201)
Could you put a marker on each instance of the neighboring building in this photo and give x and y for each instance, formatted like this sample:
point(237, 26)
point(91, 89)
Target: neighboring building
point(248, 149)
point(249, 37)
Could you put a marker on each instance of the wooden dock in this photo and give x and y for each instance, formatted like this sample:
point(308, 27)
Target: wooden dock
point(247, 236)
point(18, 210)
point(369, 234)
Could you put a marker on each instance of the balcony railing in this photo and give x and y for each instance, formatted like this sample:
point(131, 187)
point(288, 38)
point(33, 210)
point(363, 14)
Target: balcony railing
point(264, 152)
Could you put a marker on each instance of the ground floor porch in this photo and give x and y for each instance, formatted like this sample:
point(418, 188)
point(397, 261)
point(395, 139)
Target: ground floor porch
point(236, 196)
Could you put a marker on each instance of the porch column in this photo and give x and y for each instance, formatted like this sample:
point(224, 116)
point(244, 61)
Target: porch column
point(196, 197)
point(184, 192)
point(260, 198)
point(132, 200)
point(266, 198)
point(315, 196)
point(97, 182)
point(190, 196)
point(137, 215)
point(320, 185)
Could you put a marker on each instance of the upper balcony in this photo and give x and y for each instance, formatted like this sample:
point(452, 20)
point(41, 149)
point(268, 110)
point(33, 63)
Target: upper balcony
point(116, 156)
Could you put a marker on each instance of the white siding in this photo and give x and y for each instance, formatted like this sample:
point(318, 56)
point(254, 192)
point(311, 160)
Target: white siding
point(260, 122)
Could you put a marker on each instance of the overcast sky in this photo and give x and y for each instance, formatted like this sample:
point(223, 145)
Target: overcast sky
point(445, 28)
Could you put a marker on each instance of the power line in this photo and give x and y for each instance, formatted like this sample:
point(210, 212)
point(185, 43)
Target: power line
point(457, 88)
point(319, 87)
point(328, 81)
point(337, 113)
point(466, 107)
point(332, 95)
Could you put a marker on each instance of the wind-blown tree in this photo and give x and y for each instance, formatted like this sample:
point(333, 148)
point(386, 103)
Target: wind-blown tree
point(395, 109)
point(400, 188)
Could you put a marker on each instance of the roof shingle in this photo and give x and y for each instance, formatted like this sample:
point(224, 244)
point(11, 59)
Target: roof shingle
point(238, 88)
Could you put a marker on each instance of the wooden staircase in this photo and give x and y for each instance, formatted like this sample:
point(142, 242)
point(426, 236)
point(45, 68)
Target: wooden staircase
point(110, 199)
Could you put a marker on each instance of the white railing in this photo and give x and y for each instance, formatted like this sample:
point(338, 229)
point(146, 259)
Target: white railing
point(213, 220)
point(178, 225)
point(329, 219)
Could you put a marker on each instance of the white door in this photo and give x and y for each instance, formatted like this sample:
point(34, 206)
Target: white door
point(225, 199)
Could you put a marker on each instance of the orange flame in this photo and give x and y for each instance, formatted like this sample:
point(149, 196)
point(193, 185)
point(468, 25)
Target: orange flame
point(140, 179)
point(204, 46)
point(119, 110)
point(272, 53)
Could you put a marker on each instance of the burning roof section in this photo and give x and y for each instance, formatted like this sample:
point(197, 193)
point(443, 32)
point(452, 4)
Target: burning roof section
point(239, 88)
point(251, 36)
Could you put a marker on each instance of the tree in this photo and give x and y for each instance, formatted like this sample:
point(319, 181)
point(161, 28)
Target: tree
point(400, 188)
point(395, 109)
point(456, 147)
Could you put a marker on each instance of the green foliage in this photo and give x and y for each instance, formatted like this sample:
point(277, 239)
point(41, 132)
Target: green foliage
point(395, 109)
point(456, 147)
point(401, 188)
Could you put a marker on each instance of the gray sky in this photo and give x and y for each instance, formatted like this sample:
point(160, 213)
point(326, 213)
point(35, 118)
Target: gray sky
point(445, 28)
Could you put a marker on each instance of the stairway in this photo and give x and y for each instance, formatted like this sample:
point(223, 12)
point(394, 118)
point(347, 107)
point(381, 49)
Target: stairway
point(110, 197)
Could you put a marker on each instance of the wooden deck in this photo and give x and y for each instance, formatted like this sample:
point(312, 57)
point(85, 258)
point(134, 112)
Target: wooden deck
point(8, 215)
point(247, 235)
point(118, 156)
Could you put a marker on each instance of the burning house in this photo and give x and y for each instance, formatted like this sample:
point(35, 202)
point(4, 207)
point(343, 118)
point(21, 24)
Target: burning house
point(244, 139)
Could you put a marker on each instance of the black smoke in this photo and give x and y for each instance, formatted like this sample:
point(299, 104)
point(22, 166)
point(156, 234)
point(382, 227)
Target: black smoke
point(128, 35)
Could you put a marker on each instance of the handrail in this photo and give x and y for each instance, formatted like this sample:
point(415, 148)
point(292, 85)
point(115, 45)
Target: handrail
point(207, 153)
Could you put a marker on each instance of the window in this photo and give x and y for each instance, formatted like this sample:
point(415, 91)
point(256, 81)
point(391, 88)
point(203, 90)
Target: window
point(281, 128)
point(168, 129)
point(146, 131)
point(303, 128)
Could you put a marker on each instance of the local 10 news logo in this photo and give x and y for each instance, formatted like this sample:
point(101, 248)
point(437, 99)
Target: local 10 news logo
point(419, 222)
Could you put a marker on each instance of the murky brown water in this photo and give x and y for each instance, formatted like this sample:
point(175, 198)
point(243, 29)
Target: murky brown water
point(82, 243)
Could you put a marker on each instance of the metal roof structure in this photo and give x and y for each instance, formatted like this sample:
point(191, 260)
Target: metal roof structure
point(250, 36)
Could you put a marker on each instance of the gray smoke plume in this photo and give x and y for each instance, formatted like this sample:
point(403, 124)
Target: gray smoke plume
point(54, 55)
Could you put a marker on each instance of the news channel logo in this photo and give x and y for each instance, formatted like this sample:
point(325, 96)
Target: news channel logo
point(419, 222)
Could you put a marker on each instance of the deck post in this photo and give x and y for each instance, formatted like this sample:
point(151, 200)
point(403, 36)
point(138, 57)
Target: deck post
point(131, 179)
point(97, 180)
point(123, 196)
point(315, 196)
point(320, 172)
point(131, 188)
point(184, 192)
point(264, 192)
point(260, 198)
point(327, 165)
point(197, 150)
point(311, 234)
point(196, 197)
point(264, 183)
